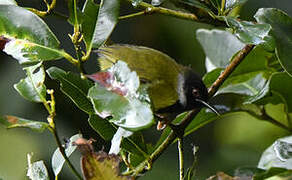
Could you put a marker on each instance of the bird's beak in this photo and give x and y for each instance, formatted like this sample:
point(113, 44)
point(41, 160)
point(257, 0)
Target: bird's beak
point(208, 106)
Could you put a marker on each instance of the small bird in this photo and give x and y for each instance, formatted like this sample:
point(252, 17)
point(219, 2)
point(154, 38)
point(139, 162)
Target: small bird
point(172, 88)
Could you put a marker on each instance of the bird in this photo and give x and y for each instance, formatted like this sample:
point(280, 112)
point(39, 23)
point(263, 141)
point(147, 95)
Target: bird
point(172, 87)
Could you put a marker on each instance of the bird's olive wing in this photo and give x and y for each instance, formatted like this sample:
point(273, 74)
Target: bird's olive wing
point(153, 66)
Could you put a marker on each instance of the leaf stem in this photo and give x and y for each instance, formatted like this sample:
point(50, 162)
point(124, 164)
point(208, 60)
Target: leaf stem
point(190, 116)
point(181, 157)
point(62, 150)
point(50, 7)
point(76, 39)
point(53, 129)
point(222, 6)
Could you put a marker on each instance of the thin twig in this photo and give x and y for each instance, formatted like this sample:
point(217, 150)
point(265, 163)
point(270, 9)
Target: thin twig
point(62, 150)
point(50, 7)
point(132, 15)
point(181, 157)
point(53, 129)
point(190, 116)
point(150, 9)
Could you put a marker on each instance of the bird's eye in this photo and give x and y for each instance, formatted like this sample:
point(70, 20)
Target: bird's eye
point(195, 93)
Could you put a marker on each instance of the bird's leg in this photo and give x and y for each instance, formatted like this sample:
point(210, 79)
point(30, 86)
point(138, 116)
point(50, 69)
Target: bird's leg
point(162, 122)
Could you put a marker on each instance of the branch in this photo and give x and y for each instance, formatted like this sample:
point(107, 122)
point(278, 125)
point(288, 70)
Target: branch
point(191, 115)
point(181, 158)
point(150, 9)
point(229, 69)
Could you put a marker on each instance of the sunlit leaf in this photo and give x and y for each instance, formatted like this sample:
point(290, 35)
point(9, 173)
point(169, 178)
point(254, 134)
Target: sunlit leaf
point(251, 79)
point(279, 154)
point(90, 13)
point(219, 46)
point(32, 87)
point(157, 2)
point(117, 140)
point(57, 158)
point(8, 2)
point(122, 98)
point(249, 32)
point(16, 122)
point(37, 170)
point(282, 32)
point(230, 4)
point(74, 87)
point(28, 39)
point(135, 3)
point(97, 30)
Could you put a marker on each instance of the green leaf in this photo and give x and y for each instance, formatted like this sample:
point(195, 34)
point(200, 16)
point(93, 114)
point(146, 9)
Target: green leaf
point(210, 77)
point(104, 128)
point(278, 81)
point(37, 170)
point(249, 32)
point(231, 4)
point(8, 2)
point(202, 118)
point(17, 122)
point(32, 87)
point(267, 175)
point(124, 100)
point(282, 32)
point(219, 47)
point(90, 13)
point(279, 154)
point(74, 87)
point(98, 30)
point(28, 39)
point(134, 144)
point(57, 158)
point(73, 19)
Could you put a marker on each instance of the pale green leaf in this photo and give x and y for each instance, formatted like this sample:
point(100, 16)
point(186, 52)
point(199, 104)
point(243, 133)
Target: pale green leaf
point(17, 122)
point(32, 87)
point(58, 159)
point(28, 39)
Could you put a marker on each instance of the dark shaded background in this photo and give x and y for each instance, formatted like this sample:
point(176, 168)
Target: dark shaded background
point(223, 145)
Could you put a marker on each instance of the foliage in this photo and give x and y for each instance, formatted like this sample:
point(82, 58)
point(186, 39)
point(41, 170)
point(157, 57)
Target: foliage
point(248, 66)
